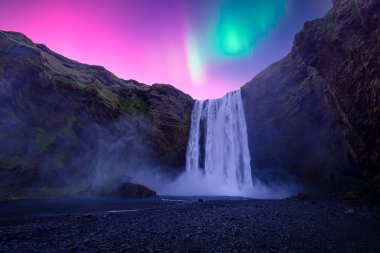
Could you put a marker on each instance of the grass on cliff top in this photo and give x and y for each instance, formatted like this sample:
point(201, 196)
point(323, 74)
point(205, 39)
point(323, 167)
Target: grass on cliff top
point(134, 106)
point(107, 95)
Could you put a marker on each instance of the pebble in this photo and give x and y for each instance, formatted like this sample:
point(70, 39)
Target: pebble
point(214, 226)
point(349, 211)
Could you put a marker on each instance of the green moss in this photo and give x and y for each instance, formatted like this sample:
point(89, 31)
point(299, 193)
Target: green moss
point(107, 95)
point(124, 104)
point(59, 160)
point(67, 190)
point(43, 139)
point(164, 146)
point(102, 93)
point(186, 118)
point(9, 162)
point(67, 130)
point(13, 198)
point(185, 123)
point(134, 106)
point(351, 196)
point(12, 162)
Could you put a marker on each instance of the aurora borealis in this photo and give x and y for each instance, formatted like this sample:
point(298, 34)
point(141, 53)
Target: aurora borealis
point(203, 47)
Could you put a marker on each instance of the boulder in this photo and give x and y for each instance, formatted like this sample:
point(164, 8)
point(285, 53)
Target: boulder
point(131, 190)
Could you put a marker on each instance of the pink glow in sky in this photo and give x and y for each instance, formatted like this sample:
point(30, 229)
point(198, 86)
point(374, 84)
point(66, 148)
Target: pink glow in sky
point(163, 41)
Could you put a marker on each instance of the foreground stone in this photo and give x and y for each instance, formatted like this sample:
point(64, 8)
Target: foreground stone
point(135, 191)
point(212, 226)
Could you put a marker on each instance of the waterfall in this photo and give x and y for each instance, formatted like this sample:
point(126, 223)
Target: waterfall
point(218, 143)
point(217, 156)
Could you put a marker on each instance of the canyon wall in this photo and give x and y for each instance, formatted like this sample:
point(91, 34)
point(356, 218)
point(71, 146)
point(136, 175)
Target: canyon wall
point(313, 117)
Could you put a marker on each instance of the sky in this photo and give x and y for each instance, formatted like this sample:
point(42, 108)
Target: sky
point(206, 48)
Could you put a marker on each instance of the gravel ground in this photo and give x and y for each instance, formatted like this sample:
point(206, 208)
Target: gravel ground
point(213, 225)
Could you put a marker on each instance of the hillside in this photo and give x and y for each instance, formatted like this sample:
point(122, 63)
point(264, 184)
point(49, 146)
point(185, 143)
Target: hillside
point(67, 127)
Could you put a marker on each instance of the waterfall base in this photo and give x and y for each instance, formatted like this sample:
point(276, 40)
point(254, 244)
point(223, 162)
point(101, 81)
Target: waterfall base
point(218, 158)
point(196, 184)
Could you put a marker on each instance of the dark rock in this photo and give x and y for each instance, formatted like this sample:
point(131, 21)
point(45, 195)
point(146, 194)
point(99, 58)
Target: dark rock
point(313, 117)
point(89, 216)
point(301, 196)
point(351, 195)
point(65, 124)
point(349, 211)
point(134, 191)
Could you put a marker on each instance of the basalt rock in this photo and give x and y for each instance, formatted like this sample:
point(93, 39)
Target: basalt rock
point(313, 117)
point(134, 191)
point(66, 125)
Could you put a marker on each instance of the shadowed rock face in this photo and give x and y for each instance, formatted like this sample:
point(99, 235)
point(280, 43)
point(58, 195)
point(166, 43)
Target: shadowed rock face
point(135, 191)
point(314, 116)
point(63, 122)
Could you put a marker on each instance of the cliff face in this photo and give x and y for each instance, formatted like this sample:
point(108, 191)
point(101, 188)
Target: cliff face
point(314, 116)
point(62, 121)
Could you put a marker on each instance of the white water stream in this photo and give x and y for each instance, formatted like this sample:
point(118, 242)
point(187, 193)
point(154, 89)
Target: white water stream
point(218, 144)
point(217, 158)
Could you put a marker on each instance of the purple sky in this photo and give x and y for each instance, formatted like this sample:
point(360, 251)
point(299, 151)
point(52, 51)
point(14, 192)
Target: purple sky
point(203, 47)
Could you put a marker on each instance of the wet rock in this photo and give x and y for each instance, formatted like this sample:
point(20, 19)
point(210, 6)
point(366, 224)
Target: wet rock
point(134, 191)
point(327, 85)
point(349, 211)
point(89, 216)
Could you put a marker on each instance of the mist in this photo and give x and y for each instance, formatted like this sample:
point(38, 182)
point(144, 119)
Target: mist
point(96, 159)
point(80, 156)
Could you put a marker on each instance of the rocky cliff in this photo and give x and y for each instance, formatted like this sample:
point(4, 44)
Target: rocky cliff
point(314, 116)
point(66, 127)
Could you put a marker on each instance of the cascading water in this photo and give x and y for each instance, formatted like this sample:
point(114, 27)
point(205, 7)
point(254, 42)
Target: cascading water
point(218, 158)
point(218, 144)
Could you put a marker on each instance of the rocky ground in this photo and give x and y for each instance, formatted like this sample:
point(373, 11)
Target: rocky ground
point(214, 225)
